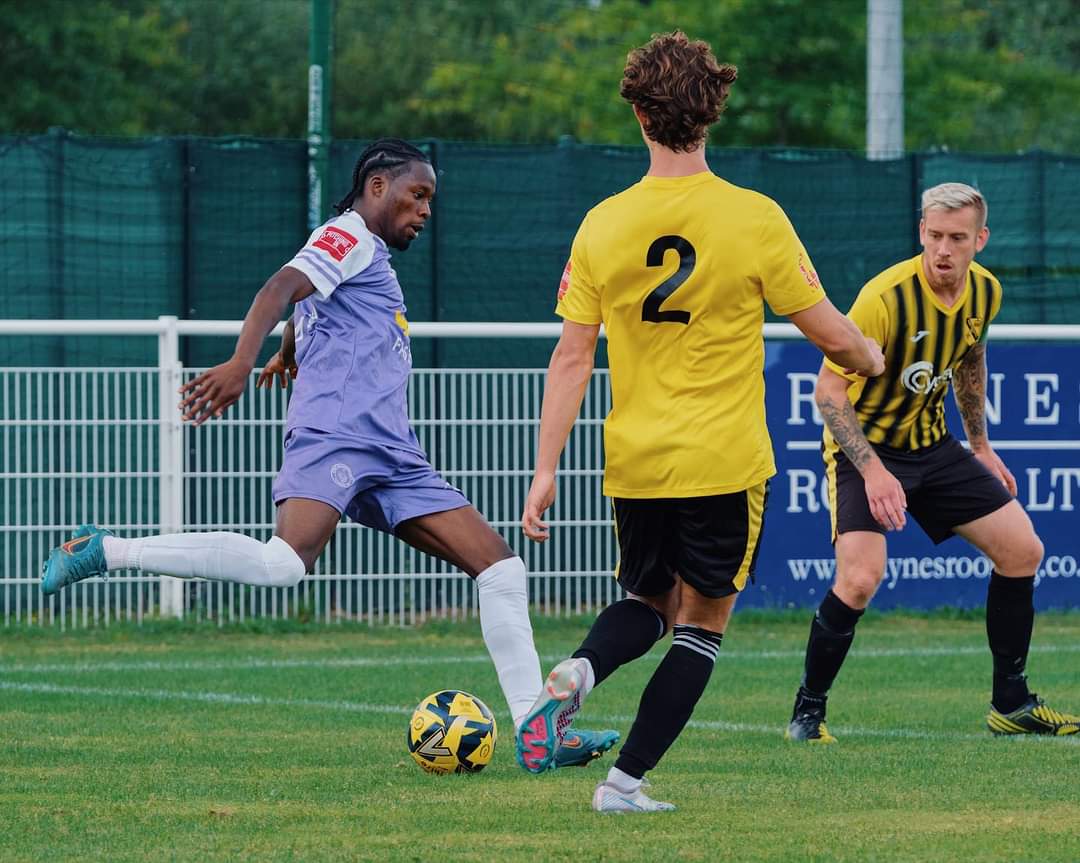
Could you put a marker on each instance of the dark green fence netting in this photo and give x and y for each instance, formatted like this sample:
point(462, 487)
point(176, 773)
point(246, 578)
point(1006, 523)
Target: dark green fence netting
point(107, 228)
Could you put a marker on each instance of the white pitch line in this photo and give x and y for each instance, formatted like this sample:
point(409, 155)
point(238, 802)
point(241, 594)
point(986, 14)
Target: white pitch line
point(207, 697)
point(255, 662)
point(233, 698)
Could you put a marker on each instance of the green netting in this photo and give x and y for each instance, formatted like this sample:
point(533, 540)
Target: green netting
point(105, 228)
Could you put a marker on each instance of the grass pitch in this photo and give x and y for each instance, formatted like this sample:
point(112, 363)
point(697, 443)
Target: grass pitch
point(193, 743)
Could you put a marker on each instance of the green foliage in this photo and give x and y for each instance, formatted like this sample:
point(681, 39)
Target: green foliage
point(106, 68)
point(998, 76)
point(982, 75)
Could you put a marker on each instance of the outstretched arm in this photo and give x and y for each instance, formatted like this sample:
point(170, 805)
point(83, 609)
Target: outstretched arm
point(969, 389)
point(837, 336)
point(568, 375)
point(209, 394)
point(883, 490)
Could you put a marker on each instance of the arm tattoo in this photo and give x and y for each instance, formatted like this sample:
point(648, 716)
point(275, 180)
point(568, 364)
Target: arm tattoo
point(969, 389)
point(844, 425)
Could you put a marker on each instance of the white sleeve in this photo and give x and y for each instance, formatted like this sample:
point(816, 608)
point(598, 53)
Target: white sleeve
point(334, 253)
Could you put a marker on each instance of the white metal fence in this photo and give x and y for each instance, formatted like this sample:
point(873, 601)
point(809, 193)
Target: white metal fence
point(106, 445)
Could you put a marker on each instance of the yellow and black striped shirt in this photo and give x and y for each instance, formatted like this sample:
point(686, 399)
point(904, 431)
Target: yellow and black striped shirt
point(923, 341)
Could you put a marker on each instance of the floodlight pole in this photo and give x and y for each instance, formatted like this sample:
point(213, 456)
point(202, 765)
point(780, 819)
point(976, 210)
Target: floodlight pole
point(884, 79)
point(318, 126)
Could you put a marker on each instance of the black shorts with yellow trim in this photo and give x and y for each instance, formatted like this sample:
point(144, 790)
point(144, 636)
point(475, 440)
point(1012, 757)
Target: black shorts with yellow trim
point(945, 486)
point(710, 542)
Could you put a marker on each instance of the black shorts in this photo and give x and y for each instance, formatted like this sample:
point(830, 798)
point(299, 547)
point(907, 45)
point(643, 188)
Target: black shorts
point(711, 543)
point(945, 485)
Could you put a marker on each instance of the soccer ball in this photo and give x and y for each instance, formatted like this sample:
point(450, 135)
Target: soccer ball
point(451, 732)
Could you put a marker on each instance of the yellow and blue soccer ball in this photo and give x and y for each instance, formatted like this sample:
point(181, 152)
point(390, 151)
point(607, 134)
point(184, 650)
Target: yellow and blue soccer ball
point(452, 732)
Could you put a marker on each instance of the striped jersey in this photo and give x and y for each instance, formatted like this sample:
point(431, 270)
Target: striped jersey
point(923, 341)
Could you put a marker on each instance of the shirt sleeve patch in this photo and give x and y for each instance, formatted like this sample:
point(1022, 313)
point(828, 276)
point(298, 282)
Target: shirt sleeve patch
point(564, 283)
point(808, 271)
point(336, 242)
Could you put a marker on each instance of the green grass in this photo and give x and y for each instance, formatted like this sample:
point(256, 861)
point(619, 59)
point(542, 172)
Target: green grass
point(112, 749)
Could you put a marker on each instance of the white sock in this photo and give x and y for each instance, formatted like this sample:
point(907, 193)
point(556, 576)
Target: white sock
point(590, 677)
point(623, 782)
point(218, 555)
point(504, 620)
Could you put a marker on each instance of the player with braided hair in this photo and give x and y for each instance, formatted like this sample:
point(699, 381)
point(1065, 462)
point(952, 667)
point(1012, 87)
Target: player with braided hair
point(349, 447)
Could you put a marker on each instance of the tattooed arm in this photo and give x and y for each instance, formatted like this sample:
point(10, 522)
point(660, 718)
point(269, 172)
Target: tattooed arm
point(969, 389)
point(884, 492)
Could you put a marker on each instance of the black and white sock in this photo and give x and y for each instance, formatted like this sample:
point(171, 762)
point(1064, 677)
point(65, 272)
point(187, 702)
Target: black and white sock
point(669, 699)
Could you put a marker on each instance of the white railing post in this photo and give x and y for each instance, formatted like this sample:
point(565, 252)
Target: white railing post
point(170, 455)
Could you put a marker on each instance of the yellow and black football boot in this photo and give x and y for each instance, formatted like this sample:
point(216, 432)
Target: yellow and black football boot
point(1033, 717)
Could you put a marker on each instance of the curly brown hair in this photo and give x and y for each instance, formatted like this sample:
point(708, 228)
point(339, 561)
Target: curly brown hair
point(680, 88)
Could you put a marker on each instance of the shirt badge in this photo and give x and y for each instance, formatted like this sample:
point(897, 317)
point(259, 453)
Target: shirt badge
point(564, 283)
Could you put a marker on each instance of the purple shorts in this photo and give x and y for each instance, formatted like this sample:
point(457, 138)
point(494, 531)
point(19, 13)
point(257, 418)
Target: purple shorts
point(374, 484)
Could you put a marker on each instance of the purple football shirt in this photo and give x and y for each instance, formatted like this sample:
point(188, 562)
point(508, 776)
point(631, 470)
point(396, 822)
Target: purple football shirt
point(352, 338)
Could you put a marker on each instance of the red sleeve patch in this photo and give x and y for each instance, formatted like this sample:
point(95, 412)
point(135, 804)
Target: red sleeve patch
point(336, 242)
point(808, 273)
point(564, 283)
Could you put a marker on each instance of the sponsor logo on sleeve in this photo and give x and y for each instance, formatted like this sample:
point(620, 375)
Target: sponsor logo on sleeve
point(336, 242)
point(564, 283)
point(808, 272)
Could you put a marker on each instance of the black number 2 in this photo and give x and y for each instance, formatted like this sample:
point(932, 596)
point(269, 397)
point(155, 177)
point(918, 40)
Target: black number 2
point(650, 309)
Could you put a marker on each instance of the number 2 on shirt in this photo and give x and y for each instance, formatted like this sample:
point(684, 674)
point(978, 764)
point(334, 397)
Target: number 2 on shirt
point(650, 309)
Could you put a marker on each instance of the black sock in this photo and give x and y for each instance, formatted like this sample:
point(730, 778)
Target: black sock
point(831, 634)
point(624, 631)
point(670, 698)
point(1010, 615)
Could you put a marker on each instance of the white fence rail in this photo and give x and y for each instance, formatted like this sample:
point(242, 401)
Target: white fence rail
point(106, 445)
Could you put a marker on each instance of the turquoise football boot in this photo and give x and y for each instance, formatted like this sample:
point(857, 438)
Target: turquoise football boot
point(79, 558)
point(578, 748)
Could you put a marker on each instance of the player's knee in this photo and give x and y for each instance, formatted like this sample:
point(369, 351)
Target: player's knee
point(857, 587)
point(284, 567)
point(1021, 559)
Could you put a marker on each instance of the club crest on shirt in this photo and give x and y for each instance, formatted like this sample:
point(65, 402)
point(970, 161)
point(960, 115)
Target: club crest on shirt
point(564, 283)
point(342, 475)
point(974, 328)
point(399, 319)
point(336, 242)
point(808, 272)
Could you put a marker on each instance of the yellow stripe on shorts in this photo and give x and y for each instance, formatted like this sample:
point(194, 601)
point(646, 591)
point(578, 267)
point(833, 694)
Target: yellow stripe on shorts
point(830, 478)
point(755, 513)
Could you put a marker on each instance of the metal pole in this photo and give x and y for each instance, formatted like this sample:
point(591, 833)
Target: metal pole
point(884, 79)
point(170, 456)
point(318, 132)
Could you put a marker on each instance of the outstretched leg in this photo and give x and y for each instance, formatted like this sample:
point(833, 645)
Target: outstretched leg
point(303, 529)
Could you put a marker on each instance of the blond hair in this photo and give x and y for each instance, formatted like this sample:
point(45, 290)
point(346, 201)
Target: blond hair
point(956, 196)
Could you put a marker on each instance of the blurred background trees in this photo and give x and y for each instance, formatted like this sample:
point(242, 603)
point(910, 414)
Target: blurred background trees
point(980, 75)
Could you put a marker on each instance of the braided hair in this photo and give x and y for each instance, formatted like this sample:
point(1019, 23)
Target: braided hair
point(391, 154)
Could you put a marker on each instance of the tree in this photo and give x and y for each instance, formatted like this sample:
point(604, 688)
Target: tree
point(992, 75)
point(90, 70)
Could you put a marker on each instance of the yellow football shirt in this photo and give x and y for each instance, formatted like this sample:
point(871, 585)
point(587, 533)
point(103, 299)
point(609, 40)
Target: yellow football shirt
point(923, 341)
point(678, 270)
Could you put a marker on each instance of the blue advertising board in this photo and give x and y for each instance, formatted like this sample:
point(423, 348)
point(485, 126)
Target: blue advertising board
point(1033, 418)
